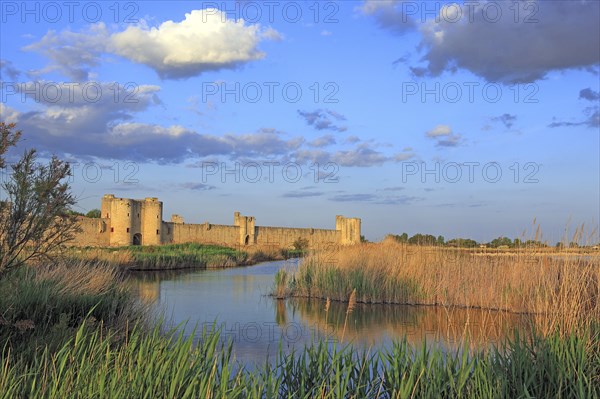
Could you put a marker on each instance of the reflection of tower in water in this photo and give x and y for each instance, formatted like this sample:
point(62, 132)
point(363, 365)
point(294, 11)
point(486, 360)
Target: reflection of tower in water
point(280, 312)
point(148, 291)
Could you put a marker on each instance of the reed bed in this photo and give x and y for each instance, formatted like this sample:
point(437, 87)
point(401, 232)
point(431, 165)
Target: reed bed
point(44, 305)
point(149, 364)
point(562, 292)
point(182, 256)
point(165, 257)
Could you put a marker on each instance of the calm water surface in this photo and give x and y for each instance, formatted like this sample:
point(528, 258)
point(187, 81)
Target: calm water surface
point(236, 301)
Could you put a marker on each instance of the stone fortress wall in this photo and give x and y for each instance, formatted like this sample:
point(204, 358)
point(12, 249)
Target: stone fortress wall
point(125, 221)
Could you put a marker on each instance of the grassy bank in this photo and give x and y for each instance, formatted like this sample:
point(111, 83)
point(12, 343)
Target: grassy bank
point(44, 306)
point(564, 291)
point(179, 256)
point(152, 365)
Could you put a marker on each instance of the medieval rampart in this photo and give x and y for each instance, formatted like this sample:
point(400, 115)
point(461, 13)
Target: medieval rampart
point(126, 221)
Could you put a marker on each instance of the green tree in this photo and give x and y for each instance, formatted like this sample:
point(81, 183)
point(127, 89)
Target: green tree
point(501, 241)
point(440, 240)
point(94, 213)
point(462, 243)
point(422, 239)
point(402, 237)
point(301, 244)
point(35, 220)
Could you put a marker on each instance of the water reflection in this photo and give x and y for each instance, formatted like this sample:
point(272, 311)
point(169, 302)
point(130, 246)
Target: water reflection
point(377, 324)
point(235, 301)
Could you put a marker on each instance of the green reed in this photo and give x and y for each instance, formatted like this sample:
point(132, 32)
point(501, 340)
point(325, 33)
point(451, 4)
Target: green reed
point(152, 364)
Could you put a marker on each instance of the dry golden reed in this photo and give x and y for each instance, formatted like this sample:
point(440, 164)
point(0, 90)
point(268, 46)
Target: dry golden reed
point(564, 290)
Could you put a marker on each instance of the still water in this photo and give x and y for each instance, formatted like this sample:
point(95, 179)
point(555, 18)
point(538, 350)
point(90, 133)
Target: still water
point(236, 301)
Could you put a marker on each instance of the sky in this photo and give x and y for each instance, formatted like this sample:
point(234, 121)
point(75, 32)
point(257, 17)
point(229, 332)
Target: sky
point(474, 119)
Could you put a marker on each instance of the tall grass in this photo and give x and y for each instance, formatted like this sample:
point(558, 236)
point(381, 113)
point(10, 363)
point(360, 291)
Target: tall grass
point(42, 306)
point(152, 365)
point(564, 292)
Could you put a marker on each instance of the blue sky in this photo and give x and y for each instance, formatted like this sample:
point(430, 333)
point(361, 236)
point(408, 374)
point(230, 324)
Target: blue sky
point(460, 119)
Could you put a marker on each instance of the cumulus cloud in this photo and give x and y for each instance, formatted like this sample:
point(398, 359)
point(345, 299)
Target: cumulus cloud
point(106, 96)
point(73, 122)
point(69, 124)
point(561, 35)
point(507, 120)
point(72, 53)
point(205, 40)
point(392, 15)
point(324, 119)
point(484, 37)
point(444, 136)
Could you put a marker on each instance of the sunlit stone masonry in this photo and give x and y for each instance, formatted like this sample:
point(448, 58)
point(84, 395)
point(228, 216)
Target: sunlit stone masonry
point(126, 221)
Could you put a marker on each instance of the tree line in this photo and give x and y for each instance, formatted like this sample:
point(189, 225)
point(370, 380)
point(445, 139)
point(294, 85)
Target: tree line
point(500, 242)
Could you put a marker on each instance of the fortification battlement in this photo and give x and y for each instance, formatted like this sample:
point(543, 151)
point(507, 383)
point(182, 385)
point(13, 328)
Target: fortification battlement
point(126, 221)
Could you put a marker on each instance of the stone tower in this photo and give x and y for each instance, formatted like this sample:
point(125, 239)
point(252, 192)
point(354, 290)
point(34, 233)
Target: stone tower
point(119, 211)
point(151, 222)
point(349, 229)
point(247, 226)
point(133, 222)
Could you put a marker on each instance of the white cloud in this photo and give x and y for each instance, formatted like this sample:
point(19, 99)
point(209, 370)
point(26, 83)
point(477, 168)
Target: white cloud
point(439, 130)
point(444, 136)
point(8, 114)
point(72, 53)
point(204, 40)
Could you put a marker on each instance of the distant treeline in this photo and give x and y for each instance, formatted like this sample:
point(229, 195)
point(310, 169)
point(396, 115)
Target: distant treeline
point(500, 242)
